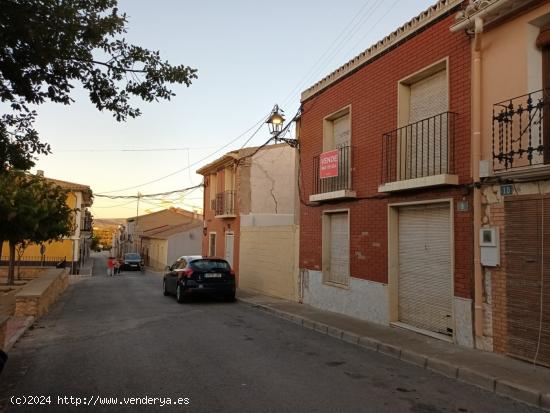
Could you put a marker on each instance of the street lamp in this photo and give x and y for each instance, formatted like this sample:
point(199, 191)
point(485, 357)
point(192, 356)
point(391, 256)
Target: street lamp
point(275, 120)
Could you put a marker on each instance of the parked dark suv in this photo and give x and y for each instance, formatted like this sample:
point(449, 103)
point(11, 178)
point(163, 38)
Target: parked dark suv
point(199, 275)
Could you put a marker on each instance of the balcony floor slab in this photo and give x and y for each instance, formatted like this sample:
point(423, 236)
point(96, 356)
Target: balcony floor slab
point(425, 181)
point(334, 195)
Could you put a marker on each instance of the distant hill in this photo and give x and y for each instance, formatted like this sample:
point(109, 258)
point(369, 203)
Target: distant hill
point(109, 222)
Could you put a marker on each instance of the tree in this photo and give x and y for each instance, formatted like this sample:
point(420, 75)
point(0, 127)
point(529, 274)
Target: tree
point(46, 46)
point(95, 243)
point(32, 210)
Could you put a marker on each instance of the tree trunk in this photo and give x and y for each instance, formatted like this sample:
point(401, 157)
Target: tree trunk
point(11, 269)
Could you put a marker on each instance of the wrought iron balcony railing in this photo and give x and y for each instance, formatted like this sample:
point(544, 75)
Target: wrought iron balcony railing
point(342, 181)
point(420, 149)
point(224, 204)
point(519, 132)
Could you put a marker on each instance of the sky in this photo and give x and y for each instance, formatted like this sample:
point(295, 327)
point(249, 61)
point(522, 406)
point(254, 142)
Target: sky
point(249, 55)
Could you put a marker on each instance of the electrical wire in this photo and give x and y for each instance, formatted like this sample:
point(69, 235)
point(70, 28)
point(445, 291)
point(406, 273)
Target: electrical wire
point(317, 67)
point(192, 188)
point(135, 150)
point(113, 206)
point(362, 39)
point(188, 166)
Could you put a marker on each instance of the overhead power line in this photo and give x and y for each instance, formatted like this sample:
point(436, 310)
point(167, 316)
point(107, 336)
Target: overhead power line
point(262, 120)
point(136, 149)
point(147, 195)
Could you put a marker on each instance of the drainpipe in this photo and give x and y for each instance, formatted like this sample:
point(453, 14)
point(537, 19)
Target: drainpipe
point(476, 157)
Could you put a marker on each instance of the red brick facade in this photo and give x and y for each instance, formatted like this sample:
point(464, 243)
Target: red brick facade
point(372, 92)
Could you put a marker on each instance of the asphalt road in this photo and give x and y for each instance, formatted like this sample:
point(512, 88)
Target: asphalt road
point(119, 337)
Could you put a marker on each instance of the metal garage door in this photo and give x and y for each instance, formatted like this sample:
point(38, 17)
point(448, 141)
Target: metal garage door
point(425, 282)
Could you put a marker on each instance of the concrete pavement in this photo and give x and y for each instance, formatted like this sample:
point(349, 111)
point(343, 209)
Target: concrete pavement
point(119, 337)
point(492, 372)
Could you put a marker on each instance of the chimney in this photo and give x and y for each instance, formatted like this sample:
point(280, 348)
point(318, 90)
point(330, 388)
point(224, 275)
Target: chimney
point(40, 172)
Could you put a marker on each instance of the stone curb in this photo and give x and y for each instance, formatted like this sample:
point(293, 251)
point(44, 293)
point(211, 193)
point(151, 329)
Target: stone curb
point(10, 342)
point(492, 384)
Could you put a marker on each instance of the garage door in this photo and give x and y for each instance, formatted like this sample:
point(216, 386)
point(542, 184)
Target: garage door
point(425, 282)
point(527, 241)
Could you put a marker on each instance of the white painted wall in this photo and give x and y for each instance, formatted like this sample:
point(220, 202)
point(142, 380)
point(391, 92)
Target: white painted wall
point(184, 243)
point(268, 260)
point(366, 300)
point(273, 181)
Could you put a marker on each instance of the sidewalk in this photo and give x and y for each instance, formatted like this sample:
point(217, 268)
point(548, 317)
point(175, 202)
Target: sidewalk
point(503, 375)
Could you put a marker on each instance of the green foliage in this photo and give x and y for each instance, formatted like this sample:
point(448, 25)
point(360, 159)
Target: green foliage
point(46, 46)
point(95, 243)
point(32, 210)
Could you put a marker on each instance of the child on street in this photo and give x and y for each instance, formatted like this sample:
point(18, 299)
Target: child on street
point(110, 266)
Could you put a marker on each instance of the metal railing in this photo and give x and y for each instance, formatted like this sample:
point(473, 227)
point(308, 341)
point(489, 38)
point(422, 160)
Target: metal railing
point(343, 181)
point(420, 149)
point(519, 131)
point(224, 204)
point(28, 260)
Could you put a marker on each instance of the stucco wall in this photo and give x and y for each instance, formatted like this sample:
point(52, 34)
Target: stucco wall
point(272, 181)
point(363, 299)
point(268, 260)
point(185, 243)
point(157, 253)
point(511, 46)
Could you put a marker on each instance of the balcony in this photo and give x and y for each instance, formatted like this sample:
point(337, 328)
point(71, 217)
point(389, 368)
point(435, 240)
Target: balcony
point(520, 137)
point(224, 205)
point(338, 183)
point(419, 155)
point(86, 222)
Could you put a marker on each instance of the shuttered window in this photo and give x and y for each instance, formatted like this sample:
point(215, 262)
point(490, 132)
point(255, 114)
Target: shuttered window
point(337, 130)
point(341, 131)
point(428, 98)
point(527, 275)
point(425, 282)
point(336, 235)
point(212, 245)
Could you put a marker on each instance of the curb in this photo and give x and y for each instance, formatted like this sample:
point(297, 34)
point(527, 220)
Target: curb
point(10, 342)
point(492, 384)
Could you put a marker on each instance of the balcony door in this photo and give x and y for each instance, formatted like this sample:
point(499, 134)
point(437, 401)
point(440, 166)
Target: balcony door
point(423, 144)
point(229, 243)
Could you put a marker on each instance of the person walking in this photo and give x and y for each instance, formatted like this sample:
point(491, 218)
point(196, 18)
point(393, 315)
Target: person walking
point(117, 266)
point(110, 266)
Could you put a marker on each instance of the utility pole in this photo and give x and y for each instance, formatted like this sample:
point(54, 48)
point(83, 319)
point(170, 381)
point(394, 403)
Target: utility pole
point(136, 224)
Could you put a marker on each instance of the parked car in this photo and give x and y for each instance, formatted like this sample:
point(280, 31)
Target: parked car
point(132, 261)
point(191, 275)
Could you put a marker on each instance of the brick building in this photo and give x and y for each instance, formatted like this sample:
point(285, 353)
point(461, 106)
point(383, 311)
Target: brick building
point(386, 216)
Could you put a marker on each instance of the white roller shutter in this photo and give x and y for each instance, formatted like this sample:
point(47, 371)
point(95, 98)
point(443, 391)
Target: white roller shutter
point(339, 248)
point(428, 97)
point(341, 131)
point(425, 276)
point(427, 140)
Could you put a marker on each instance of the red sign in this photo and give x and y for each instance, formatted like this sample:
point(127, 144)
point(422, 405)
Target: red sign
point(328, 164)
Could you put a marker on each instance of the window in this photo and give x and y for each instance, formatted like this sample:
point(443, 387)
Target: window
point(213, 181)
point(212, 245)
point(336, 247)
point(337, 130)
point(423, 140)
point(228, 179)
